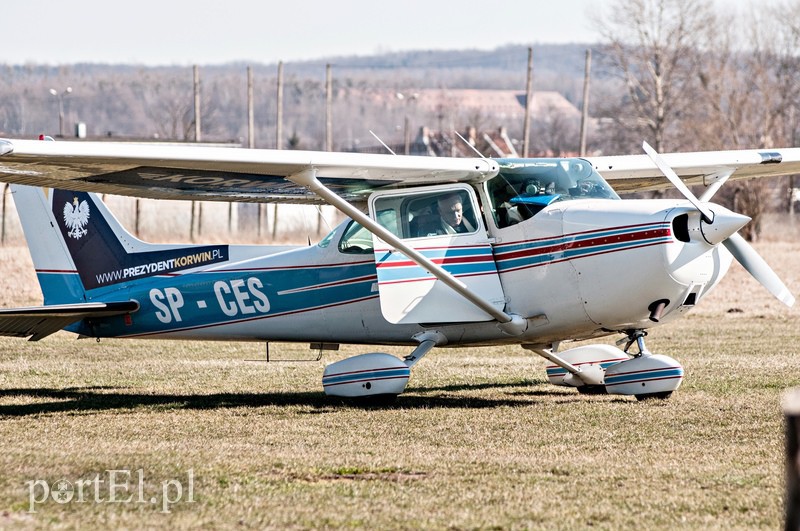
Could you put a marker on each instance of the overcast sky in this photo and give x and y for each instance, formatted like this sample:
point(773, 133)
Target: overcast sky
point(183, 32)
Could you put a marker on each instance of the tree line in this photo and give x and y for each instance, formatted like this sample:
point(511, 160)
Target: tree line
point(685, 75)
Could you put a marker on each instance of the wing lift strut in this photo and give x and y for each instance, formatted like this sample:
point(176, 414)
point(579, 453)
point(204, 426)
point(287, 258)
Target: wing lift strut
point(510, 324)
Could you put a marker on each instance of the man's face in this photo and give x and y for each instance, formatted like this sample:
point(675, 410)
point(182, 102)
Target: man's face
point(451, 210)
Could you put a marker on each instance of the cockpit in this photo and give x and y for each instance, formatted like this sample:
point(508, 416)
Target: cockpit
point(521, 189)
point(524, 187)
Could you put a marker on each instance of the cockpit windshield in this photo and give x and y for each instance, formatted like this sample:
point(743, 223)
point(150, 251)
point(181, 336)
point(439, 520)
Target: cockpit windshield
point(525, 187)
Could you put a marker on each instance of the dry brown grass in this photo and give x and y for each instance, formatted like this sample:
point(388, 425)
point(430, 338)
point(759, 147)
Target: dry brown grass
point(478, 441)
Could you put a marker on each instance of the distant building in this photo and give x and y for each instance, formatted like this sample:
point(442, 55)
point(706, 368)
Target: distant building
point(494, 119)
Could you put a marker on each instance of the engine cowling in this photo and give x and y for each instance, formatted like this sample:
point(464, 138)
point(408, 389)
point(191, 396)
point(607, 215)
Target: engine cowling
point(372, 374)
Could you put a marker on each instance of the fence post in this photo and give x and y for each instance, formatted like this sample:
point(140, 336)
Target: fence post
point(3, 236)
point(791, 411)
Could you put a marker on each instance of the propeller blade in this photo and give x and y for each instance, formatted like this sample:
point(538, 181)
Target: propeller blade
point(676, 181)
point(756, 266)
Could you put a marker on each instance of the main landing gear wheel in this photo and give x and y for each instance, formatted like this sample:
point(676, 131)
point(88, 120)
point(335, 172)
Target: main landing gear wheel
point(370, 401)
point(592, 390)
point(654, 396)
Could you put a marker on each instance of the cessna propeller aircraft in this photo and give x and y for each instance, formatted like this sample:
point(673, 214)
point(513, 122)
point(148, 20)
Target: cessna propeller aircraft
point(435, 252)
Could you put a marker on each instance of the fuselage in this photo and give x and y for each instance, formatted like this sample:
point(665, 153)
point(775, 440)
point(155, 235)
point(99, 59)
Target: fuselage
point(575, 269)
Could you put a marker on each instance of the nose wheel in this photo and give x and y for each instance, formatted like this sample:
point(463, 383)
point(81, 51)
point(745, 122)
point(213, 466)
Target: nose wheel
point(646, 375)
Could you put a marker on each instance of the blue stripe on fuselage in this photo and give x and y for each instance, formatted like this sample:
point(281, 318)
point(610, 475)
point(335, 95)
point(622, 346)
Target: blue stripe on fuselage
point(211, 298)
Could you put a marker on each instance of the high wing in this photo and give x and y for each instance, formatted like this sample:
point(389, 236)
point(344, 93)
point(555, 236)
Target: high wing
point(162, 171)
point(635, 173)
point(168, 171)
point(38, 322)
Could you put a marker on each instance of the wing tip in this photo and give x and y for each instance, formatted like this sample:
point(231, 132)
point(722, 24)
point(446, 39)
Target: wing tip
point(6, 147)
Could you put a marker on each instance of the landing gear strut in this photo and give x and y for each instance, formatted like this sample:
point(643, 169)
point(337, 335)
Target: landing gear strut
point(635, 336)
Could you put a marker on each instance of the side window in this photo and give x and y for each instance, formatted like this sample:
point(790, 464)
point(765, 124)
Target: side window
point(446, 212)
point(356, 240)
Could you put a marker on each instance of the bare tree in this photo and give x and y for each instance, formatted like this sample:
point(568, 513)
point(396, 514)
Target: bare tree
point(654, 46)
point(749, 92)
point(168, 104)
point(555, 133)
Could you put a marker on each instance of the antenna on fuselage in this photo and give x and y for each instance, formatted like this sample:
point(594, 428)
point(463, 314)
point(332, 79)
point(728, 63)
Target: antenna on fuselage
point(382, 143)
point(473, 148)
point(325, 221)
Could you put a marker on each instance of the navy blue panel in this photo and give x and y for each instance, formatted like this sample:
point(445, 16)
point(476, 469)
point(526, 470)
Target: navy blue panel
point(199, 181)
point(99, 256)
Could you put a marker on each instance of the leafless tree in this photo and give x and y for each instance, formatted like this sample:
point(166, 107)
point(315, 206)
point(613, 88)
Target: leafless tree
point(698, 80)
point(168, 104)
point(749, 93)
point(554, 133)
point(654, 46)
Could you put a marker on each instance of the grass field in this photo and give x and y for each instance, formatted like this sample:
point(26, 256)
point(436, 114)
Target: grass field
point(478, 441)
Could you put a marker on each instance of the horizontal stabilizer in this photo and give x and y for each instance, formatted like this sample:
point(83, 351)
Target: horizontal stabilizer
point(40, 321)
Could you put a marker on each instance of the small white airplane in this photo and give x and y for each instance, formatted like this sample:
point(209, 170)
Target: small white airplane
point(435, 252)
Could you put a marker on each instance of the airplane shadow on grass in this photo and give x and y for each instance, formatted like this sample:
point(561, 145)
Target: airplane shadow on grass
point(94, 399)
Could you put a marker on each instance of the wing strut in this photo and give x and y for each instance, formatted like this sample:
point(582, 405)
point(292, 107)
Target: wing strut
point(509, 323)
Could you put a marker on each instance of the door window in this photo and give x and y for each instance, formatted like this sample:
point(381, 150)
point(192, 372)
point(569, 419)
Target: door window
point(423, 215)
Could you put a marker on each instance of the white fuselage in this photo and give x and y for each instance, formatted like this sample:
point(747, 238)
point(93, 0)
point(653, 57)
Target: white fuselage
point(576, 270)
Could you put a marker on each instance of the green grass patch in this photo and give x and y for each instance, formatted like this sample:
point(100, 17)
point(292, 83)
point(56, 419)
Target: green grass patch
point(479, 440)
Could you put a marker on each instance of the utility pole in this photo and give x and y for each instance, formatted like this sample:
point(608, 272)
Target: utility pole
point(251, 118)
point(251, 143)
point(197, 137)
point(328, 126)
point(585, 112)
point(407, 99)
point(526, 130)
point(328, 109)
point(279, 122)
point(278, 140)
point(60, 97)
point(251, 133)
point(197, 134)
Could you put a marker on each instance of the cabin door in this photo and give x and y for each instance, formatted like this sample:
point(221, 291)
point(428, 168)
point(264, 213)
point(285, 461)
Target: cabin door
point(444, 224)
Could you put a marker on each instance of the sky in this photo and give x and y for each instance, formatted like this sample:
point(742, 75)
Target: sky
point(185, 32)
point(182, 32)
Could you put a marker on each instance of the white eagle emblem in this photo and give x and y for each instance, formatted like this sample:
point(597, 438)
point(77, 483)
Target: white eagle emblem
point(76, 217)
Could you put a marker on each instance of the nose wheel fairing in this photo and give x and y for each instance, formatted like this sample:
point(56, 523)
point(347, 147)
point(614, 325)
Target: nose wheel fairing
point(597, 369)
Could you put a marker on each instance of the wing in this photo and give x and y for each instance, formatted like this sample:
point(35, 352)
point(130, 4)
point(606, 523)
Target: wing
point(635, 173)
point(217, 173)
point(41, 321)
